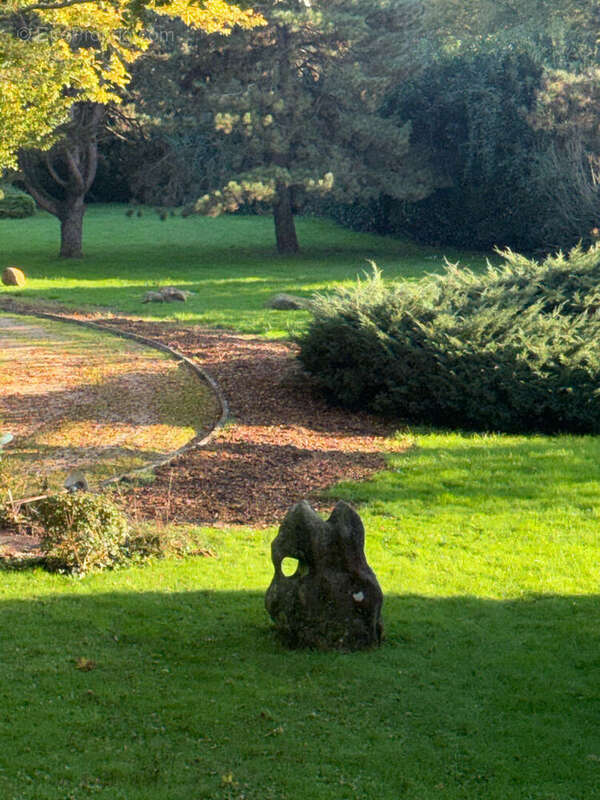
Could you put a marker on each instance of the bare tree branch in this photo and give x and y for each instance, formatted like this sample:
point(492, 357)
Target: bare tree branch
point(54, 6)
point(74, 166)
point(55, 176)
point(40, 195)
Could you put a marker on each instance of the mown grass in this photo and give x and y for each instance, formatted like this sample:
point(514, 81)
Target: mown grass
point(486, 686)
point(487, 549)
point(78, 399)
point(230, 263)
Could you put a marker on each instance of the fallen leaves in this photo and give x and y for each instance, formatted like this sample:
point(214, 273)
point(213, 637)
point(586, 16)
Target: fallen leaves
point(285, 443)
point(78, 399)
point(85, 664)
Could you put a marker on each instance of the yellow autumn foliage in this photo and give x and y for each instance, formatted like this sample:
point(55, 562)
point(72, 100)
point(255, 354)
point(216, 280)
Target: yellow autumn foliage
point(56, 52)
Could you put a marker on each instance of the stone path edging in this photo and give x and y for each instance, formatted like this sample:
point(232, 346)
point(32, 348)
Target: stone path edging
point(200, 372)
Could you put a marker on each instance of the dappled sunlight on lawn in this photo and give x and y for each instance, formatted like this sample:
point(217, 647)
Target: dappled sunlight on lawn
point(152, 438)
point(229, 263)
point(77, 399)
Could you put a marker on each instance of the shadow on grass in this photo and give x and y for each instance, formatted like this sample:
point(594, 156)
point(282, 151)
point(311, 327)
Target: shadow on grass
point(151, 695)
point(228, 308)
point(109, 236)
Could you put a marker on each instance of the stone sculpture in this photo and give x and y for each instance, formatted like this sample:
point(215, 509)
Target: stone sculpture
point(333, 600)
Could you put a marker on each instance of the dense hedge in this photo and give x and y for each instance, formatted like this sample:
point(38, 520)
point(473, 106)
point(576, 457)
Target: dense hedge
point(507, 174)
point(514, 349)
point(15, 204)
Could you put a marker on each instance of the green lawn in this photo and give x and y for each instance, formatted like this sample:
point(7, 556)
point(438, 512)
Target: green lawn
point(229, 262)
point(486, 686)
point(487, 549)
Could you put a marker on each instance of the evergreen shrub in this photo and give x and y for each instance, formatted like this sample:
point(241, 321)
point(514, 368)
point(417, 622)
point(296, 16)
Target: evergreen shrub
point(15, 204)
point(514, 349)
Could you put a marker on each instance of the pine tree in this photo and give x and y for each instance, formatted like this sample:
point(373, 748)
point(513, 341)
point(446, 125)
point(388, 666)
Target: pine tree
point(298, 99)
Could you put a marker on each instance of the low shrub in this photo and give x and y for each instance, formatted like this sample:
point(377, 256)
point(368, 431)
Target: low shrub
point(514, 349)
point(81, 531)
point(152, 540)
point(15, 204)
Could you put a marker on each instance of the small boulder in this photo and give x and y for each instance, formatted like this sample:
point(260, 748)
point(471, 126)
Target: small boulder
point(167, 294)
point(287, 302)
point(76, 481)
point(13, 276)
point(171, 293)
point(153, 297)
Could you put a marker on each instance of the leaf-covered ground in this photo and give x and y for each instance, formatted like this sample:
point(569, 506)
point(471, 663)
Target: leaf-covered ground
point(285, 444)
point(282, 444)
point(76, 399)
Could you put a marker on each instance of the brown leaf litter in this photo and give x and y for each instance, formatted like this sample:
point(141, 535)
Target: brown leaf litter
point(283, 442)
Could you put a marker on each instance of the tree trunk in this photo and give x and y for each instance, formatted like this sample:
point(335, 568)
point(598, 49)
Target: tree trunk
point(71, 229)
point(285, 228)
point(71, 164)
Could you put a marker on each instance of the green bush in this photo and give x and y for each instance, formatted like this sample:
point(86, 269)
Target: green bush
point(15, 204)
point(514, 349)
point(81, 532)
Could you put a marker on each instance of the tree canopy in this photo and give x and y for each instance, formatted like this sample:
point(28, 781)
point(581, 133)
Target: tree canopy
point(563, 34)
point(299, 97)
point(54, 53)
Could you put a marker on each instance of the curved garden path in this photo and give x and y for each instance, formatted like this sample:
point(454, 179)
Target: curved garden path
point(283, 443)
point(77, 399)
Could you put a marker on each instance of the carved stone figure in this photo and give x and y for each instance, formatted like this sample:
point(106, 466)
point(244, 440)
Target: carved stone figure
point(333, 600)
